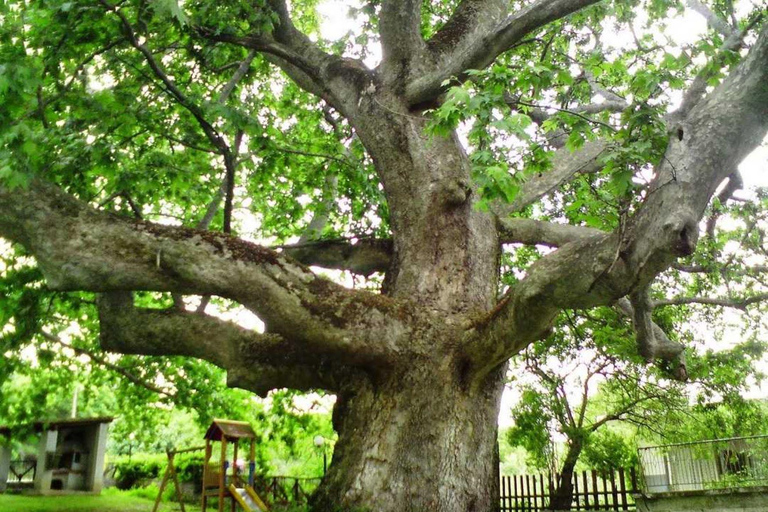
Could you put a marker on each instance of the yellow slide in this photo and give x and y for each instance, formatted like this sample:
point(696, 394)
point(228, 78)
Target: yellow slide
point(248, 499)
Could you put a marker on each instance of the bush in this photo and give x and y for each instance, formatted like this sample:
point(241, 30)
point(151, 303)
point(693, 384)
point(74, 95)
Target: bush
point(189, 468)
point(139, 470)
point(608, 450)
point(136, 471)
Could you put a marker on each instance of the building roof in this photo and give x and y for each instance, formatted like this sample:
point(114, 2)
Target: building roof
point(39, 426)
point(71, 422)
point(230, 430)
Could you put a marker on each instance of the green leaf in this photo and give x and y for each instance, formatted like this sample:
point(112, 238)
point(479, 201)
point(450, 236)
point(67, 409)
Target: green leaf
point(172, 9)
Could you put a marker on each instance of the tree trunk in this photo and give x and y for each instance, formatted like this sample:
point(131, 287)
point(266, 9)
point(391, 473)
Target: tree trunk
point(562, 496)
point(418, 442)
point(445, 248)
point(421, 436)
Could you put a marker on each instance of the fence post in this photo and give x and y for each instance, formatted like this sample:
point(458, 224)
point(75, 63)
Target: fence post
point(614, 491)
point(623, 485)
point(526, 486)
point(502, 494)
point(595, 493)
point(514, 480)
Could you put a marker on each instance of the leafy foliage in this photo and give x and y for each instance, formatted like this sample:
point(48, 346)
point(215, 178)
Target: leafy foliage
point(139, 136)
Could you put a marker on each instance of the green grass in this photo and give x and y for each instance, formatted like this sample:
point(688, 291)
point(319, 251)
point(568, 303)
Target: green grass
point(110, 501)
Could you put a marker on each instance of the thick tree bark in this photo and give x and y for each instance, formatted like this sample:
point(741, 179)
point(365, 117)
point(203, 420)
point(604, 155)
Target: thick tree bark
point(423, 436)
point(403, 448)
point(445, 250)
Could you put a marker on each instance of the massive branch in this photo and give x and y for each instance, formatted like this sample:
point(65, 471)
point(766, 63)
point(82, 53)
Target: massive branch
point(363, 258)
point(79, 248)
point(714, 138)
point(400, 29)
point(537, 232)
point(255, 361)
point(477, 33)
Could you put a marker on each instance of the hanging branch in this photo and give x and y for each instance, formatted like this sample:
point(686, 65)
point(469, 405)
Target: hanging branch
point(110, 366)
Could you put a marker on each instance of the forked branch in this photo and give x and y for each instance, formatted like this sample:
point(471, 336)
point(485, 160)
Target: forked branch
point(477, 33)
point(718, 133)
point(79, 248)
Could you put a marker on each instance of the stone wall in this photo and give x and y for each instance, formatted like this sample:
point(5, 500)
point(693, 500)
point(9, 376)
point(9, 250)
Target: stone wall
point(752, 499)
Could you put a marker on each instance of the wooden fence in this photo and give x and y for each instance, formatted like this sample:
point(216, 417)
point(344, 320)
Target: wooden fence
point(284, 490)
point(591, 491)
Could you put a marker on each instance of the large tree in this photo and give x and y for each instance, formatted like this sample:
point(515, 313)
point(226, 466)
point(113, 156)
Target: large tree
point(118, 113)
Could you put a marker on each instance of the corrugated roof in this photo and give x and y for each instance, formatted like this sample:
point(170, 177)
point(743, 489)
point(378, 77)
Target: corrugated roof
point(229, 429)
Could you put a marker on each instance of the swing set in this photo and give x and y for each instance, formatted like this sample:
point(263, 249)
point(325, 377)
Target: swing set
point(216, 482)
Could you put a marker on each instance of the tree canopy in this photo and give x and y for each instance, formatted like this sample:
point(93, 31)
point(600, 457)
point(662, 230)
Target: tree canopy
point(487, 164)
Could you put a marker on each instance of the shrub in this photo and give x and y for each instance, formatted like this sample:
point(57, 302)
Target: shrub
point(189, 468)
point(135, 471)
point(139, 470)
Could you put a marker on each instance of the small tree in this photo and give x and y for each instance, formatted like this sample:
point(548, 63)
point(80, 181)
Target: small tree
point(586, 378)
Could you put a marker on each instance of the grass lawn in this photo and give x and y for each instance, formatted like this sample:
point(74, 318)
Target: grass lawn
point(110, 501)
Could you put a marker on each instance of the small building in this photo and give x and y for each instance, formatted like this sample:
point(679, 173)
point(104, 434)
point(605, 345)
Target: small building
point(5, 456)
point(70, 456)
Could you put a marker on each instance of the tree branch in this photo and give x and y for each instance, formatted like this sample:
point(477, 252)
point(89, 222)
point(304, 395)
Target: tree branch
point(364, 257)
point(713, 20)
point(698, 88)
point(557, 138)
point(336, 80)
point(629, 406)
point(258, 362)
point(367, 256)
point(708, 269)
point(400, 31)
point(732, 302)
point(537, 232)
point(717, 134)
point(110, 366)
point(239, 74)
point(735, 183)
point(652, 341)
point(566, 165)
point(477, 33)
point(168, 84)
point(79, 248)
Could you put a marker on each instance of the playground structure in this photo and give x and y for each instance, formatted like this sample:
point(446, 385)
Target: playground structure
point(215, 479)
point(170, 474)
